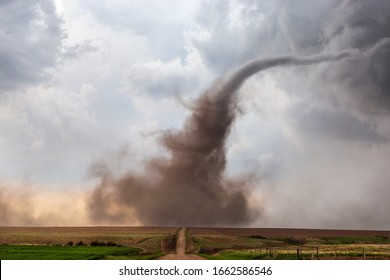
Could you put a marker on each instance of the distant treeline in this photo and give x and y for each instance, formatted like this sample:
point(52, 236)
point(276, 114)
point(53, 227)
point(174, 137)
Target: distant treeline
point(94, 243)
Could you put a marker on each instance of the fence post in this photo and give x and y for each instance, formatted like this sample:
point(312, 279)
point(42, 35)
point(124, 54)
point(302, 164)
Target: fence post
point(364, 253)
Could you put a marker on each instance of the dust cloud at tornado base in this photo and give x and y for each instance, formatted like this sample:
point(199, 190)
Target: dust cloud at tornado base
point(190, 188)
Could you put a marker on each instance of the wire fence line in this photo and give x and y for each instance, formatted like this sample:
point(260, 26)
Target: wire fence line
point(314, 252)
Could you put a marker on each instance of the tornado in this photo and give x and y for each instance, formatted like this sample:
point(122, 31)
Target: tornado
point(190, 188)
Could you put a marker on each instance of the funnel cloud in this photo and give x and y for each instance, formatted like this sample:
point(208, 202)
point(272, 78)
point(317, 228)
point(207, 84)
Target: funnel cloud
point(190, 188)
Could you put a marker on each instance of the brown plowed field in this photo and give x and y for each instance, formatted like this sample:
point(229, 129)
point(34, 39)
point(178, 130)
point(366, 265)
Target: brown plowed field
point(127, 236)
point(97, 229)
point(283, 232)
point(40, 235)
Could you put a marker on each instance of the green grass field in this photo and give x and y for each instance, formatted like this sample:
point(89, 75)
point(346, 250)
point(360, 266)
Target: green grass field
point(44, 252)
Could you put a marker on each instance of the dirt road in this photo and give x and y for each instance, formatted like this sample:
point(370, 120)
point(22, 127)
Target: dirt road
point(181, 250)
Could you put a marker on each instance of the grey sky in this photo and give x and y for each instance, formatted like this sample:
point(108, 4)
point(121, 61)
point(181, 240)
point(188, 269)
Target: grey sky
point(81, 82)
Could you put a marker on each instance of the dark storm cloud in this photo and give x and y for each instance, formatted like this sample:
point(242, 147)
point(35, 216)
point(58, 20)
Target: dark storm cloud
point(364, 83)
point(329, 124)
point(306, 27)
point(241, 30)
point(30, 36)
point(359, 86)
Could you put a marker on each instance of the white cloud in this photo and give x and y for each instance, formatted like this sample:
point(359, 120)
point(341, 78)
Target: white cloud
point(43, 129)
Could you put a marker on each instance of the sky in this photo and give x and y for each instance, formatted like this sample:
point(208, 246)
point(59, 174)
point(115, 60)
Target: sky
point(91, 87)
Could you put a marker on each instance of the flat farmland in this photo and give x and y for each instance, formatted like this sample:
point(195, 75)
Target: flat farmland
point(210, 243)
point(274, 243)
point(86, 242)
point(126, 236)
point(282, 232)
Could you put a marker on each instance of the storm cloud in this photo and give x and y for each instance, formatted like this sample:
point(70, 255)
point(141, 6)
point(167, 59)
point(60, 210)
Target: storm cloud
point(306, 146)
point(31, 35)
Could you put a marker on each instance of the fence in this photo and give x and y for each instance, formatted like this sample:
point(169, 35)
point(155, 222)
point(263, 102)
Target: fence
point(310, 252)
